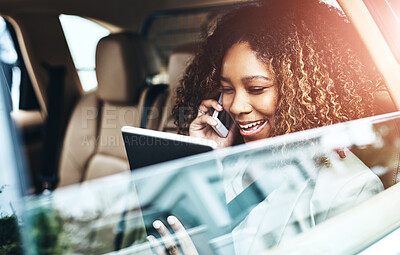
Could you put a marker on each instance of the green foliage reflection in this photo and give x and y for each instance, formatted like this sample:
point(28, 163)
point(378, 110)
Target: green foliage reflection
point(10, 241)
point(47, 228)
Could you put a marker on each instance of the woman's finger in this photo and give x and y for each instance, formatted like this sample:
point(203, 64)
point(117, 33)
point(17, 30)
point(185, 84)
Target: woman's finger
point(156, 245)
point(167, 238)
point(208, 120)
point(202, 122)
point(202, 110)
point(183, 237)
point(209, 103)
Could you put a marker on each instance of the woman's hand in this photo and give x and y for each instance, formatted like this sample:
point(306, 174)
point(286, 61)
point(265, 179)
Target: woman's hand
point(171, 247)
point(201, 126)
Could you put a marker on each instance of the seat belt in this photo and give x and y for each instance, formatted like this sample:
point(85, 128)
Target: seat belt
point(52, 135)
point(152, 94)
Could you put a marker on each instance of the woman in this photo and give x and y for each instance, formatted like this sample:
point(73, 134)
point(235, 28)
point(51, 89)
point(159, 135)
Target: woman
point(306, 50)
point(282, 67)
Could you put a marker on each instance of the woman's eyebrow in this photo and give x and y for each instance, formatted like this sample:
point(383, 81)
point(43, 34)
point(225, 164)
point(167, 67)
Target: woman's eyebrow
point(255, 77)
point(225, 79)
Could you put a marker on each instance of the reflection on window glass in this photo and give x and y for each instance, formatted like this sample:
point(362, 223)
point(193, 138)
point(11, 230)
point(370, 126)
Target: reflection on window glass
point(8, 59)
point(333, 3)
point(166, 32)
point(242, 200)
point(10, 211)
point(93, 218)
point(16, 76)
point(82, 37)
point(386, 15)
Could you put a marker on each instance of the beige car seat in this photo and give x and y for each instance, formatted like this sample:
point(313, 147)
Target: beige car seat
point(179, 60)
point(93, 146)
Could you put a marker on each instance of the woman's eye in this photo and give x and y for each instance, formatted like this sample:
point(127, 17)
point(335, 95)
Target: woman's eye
point(256, 90)
point(227, 90)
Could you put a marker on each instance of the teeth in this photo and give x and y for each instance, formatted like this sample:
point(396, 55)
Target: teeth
point(251, 124)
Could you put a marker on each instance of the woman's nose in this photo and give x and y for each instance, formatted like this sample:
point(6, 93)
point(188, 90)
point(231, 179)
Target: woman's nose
point(240, 104)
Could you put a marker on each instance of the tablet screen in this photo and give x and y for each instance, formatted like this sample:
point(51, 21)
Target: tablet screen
point(146, 147)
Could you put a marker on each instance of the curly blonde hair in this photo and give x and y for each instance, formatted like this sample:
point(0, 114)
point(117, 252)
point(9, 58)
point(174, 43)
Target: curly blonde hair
point(322, 71)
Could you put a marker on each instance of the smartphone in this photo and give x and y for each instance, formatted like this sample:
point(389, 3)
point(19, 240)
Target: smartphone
point(223, 119)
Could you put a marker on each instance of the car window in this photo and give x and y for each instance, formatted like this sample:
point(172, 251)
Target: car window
point(82, 36)
point(387, 245)
point(169, 29)
point(247, 198)
point(386, 15)
point(11, 178)
point(16, 75)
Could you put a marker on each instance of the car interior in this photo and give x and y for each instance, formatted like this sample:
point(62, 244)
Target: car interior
point(71, 134)
point(70, 125)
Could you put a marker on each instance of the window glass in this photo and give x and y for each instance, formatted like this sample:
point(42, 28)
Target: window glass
point(8, 59)
point(387, 17)
point(10, 184)
point(167, 30)
point(82, 37)
point(245, 199)
point(333, 3)
point(16, 75)
point(387, 245)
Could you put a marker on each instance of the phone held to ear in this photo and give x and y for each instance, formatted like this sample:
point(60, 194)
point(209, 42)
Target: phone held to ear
point(223, 119)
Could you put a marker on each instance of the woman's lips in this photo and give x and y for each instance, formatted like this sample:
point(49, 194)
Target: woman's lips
point(252, 128)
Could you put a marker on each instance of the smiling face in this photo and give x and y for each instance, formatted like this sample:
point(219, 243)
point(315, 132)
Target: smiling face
point(250, 94)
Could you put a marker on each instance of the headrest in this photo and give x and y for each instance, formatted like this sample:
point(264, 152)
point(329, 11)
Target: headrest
point(123, 62)
point(179, 60)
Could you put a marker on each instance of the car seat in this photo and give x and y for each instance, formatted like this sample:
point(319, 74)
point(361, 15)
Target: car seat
point(179, 60)
point(93, 145)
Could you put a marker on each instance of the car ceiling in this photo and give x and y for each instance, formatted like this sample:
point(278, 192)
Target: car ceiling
point(127, 14)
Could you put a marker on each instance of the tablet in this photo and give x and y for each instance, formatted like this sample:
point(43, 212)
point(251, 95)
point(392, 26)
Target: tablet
point(146, 147)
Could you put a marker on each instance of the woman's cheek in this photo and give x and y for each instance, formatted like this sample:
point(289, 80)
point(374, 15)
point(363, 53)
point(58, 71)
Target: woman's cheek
point(227, 102)
point(267, 104)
